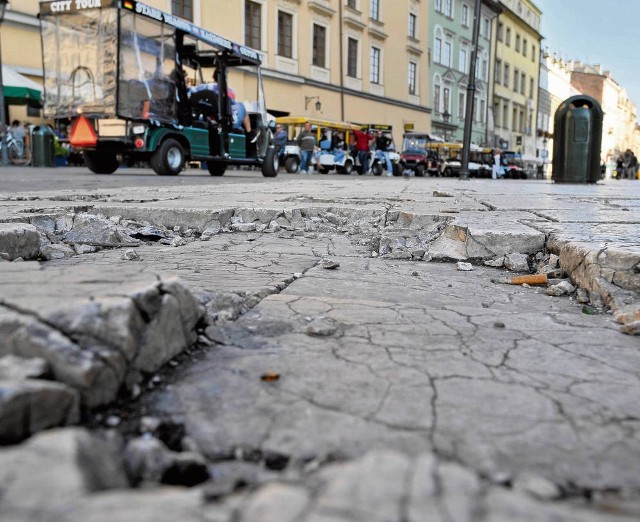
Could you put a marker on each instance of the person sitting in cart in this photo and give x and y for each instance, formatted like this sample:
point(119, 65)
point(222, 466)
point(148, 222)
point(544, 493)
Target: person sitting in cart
point(239, 114)
point(338, 146)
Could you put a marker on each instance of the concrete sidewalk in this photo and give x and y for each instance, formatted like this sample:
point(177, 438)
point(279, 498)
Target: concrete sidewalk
point(394, 363)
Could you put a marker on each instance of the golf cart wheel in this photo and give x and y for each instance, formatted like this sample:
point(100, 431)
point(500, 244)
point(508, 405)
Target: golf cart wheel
point(348, 167)
point(377, 169)
point(101, 161)
point(270, 164)
point(291, 164)
point(420, 171)
point(448, 172)
point(397, 169)
point(168, 159)
point(216, 169)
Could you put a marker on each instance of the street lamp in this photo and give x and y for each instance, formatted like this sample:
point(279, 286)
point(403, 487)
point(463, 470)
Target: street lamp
point(446, 116)
point(308, 99)
point(3, 119)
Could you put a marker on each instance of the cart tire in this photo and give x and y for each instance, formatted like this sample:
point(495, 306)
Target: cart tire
point(216, 168)
point(348, 167)
point(292, 164)
point(397, 169)
point(101, 161)
point(376, 169)
point(168, 159)
point(420, 171)
point(270, 164)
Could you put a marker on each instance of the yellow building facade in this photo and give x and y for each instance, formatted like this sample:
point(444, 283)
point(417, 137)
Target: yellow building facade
point(364, 61)
point(516, 72)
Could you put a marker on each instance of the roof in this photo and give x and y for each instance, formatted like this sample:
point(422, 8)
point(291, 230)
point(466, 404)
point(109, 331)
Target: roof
point(242, 55)
point(300, 120)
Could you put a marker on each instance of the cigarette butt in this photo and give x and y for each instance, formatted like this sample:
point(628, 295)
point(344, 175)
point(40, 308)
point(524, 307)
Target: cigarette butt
point(531, 279)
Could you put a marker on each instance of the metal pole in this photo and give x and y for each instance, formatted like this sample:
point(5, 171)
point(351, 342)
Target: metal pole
point(3, 118)
point(341, 62)
point(471, 90)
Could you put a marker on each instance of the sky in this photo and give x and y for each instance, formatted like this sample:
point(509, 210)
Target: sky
point(596, 31)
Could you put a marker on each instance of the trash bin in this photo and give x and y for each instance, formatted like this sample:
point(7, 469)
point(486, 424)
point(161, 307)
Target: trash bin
point(577, 139)
point(42, 147)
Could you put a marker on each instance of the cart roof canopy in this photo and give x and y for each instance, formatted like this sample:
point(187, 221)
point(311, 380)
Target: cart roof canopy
point(236, 54)
point(329, 124)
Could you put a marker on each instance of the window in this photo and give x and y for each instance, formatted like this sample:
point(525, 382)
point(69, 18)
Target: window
point(413, 75)
point(183, 9)
point(436, 98)
point(461, 105)
point(517, 43)
point(476, 109)
point(516, 76)
point(439, 6)
point(497, 74)
point(374, 76)
point(533, 53)
point(446, 58)
point(496, 114)
point(507, 40)
point(462, 60)
point(412, 25)
point(507, 71)
point(352, 58)
point(374, 9)
point(524, 47)
point(514, 119)
point(500, 31)
point(437, 51)
point(531, 88)
point(523, 83)
point(484, 72)
point(486, 28)
point(448, 8)
point(351, 4)
point(521, 127)
point(319, 45)
point(446, 92)
point(465, 15)
point(252, 24)
point(285, 34)
point(505, 115)
point(483, 109)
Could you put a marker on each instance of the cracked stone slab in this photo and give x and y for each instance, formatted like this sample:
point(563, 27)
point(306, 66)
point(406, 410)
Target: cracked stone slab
point(97, 327)
point(19, 240)
point(421, 363)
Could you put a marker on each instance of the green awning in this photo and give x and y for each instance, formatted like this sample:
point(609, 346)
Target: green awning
point(20, 90)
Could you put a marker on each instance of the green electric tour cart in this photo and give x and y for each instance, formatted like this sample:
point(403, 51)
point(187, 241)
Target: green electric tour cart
point(135, 83)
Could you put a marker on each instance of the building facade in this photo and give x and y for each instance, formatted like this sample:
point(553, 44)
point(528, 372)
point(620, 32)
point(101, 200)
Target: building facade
point(451, 45)
point(516, 77)
point(619, 126)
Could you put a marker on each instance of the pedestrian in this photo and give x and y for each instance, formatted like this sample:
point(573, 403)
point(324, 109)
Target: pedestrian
point(307, 142)
point(19, 134)
point(362, 145)
point(633, 166)
point(619, 173)
point(382, 151)
point(495, 171)
point(280, 141)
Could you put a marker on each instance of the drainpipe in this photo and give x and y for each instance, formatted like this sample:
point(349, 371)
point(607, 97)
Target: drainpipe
point(341, 64)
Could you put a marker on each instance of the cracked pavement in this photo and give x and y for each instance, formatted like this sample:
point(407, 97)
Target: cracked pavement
point(389, 388)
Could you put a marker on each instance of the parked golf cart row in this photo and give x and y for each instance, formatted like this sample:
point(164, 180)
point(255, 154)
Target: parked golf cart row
point(328, 158)
point(424, 154)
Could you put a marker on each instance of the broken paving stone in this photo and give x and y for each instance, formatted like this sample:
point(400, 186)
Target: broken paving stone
point(497, 262)
point(631, 328)
point(465, 267)
point(151, 233)
point(538, 487)
point(321, 327)
point(442, 194)
point(178, 242)
point(130, 255)
point(329, 264)
point(517, 262)
point(415, 273)
point(562, 288)
point(582, 295)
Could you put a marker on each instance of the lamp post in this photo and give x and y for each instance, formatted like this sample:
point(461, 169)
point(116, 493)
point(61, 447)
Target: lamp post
point(3, 118)
point(446, 116)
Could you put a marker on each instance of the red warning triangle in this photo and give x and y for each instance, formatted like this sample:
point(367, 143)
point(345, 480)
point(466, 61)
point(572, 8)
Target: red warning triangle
point(82, 133)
